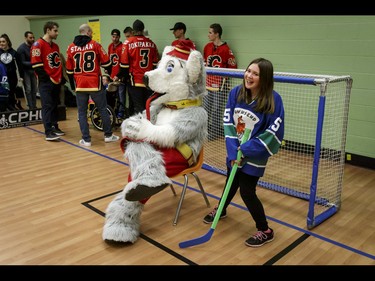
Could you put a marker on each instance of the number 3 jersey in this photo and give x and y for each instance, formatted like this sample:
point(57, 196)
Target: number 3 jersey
point(85, 57)
point(267, 132)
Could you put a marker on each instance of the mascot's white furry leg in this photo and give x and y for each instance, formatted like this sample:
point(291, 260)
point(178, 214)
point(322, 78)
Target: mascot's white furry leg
point(122, 220)
point(147, 170)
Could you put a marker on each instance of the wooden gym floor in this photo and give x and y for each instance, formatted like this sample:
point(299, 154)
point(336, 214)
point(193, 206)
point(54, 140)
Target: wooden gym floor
point(54, 196)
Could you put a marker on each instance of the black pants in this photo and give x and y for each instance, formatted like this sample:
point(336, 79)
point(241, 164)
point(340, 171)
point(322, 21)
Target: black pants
point(139, 96)
point(247, 185)
point(49, 96)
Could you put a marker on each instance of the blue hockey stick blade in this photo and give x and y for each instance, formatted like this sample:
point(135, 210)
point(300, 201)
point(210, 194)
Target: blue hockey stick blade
point(198, 240)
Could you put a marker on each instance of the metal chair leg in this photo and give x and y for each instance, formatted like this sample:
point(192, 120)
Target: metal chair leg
point(174, 191)
point(201, 188)
point(184, 192)
point(181, 199)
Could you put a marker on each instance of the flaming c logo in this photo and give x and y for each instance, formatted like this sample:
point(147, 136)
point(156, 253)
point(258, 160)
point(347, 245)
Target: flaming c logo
point(54, 60)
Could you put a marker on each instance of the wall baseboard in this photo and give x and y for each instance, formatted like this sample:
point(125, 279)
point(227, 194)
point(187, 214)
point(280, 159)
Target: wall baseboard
point(359, 160)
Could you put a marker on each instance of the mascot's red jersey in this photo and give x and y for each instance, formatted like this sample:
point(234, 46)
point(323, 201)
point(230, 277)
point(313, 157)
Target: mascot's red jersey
point(47, 56)
point(217, 56)
point(139, 54)
point(84, 59)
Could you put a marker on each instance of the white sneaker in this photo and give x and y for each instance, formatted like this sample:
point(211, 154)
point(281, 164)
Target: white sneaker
point(84, 143)
point(111, 138)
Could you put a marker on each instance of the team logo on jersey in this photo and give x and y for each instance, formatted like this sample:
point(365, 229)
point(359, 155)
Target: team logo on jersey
point(114, 59)
point(6, 58)
point(35, 53)
point(241, 125)
point(214, 61)
point(231, 61)
point(54, 60)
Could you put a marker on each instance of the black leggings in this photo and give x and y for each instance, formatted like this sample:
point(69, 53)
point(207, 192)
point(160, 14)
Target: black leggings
point(247, 185)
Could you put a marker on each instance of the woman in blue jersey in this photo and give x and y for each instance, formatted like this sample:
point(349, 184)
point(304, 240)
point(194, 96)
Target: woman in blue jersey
point(254, 105)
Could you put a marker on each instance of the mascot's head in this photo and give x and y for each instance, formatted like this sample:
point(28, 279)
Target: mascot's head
point(180, 74)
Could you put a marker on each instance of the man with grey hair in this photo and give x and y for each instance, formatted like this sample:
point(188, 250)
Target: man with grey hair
point(85, 57)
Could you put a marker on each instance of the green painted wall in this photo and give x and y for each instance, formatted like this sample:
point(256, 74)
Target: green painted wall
point(333, 45)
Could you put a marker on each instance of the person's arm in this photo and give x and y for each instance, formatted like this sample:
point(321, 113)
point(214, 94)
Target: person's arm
point(22, 52)
point(4, 85)
point(108, 70)
point(268, 142)
point(123, 75)
point(72, 82)
point(230, 132)
point(19, 65)
point(41, 73)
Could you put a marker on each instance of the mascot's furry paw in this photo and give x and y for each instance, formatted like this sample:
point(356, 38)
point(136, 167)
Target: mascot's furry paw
point(122, 220)
point(141, 192)
point(138, 189)
point(130, 127)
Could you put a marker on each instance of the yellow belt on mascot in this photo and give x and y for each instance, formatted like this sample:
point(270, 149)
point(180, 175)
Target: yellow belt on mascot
point(186, 151)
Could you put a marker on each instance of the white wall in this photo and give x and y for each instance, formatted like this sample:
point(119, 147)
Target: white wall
point(15, 27)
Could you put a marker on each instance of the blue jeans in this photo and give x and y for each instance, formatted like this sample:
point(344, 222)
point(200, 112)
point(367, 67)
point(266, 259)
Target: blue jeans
point(49, 96)
point(100, 100)
point(121, 91)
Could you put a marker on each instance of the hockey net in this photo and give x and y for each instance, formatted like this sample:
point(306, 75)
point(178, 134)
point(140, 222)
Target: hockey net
point(310, 162)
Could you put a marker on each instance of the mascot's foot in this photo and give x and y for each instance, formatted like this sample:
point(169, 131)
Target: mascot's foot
point(141, 192)
point(122, 220)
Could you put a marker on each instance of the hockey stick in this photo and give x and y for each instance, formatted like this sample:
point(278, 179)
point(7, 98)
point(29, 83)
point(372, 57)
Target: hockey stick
point(208, 235)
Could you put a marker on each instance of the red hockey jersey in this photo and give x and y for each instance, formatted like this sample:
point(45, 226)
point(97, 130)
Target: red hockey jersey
point(217, 56)
point(46, 55)
point(139, 54)
point(114, 53)
point(84, 61)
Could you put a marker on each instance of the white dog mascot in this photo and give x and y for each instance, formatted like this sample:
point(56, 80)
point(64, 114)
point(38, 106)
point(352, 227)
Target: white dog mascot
point(162, 141)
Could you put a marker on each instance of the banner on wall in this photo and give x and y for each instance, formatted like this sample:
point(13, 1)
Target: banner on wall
point(13, 119)
point(95, 26)
point(19, 118)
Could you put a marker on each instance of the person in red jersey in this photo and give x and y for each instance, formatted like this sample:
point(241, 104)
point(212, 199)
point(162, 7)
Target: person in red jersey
point(114, 52)
point(139, 54)
point(216, 53)
point(179, 30)
point(128, 32)
point(85, 57)
point(46, 62)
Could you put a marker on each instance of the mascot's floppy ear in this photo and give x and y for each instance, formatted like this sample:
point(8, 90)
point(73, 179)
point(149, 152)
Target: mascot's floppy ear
point(185, 50)
point(195, 66)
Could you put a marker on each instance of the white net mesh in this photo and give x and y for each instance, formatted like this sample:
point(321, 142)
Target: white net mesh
point(310, 163)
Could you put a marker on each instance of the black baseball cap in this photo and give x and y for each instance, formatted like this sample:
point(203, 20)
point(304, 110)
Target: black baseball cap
point(115, 32)
point(179, 25)
point(138, 25)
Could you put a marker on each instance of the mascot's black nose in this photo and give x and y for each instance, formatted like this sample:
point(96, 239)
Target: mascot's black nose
point(145, 80)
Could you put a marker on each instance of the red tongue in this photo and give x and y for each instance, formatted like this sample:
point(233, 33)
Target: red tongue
point(148, 102)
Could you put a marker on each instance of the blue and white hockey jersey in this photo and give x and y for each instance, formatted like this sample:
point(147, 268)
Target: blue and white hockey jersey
point(267, 132)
